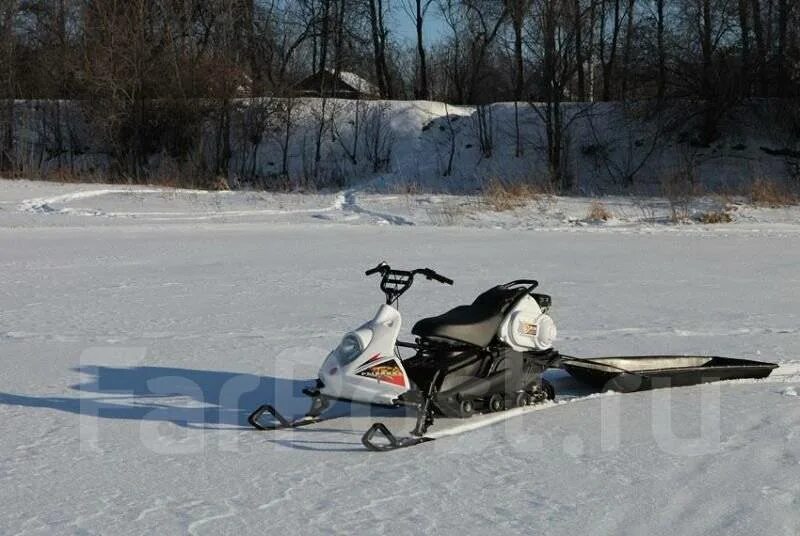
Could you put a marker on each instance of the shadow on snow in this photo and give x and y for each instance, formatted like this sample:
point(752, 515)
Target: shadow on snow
point(186, 397)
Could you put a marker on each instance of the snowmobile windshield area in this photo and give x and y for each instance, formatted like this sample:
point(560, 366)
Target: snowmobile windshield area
point(348, 350)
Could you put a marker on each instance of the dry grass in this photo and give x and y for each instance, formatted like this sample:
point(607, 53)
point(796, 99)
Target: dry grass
point(770, 193)
point(219, 184)
point(403, 188)
point(598, 212)
point(62, 175)
point(680, 188)
point(715, 216)
point(501, 195)
point(68, 176)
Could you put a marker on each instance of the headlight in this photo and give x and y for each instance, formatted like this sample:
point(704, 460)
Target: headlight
point(349, 349)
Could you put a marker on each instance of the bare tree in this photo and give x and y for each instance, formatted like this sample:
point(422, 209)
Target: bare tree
point(578, 11)
point(417, 11)
point(377, 11)
point(626, 54)
point(608, 55)
point(661, 51)
point(761, 46)
point(485, 18)
point(555, 23)
point(350, 143)
point(744, 59)
point(518, 11)
point(378, 139)
point(8, 12)
point(453, 17)
point(451, 136)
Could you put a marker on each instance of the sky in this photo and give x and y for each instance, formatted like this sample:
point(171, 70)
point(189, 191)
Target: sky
point(402, 26)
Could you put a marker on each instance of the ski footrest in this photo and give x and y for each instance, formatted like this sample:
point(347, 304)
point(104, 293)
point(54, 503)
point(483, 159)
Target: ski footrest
point(390, 441)
point(281, 422)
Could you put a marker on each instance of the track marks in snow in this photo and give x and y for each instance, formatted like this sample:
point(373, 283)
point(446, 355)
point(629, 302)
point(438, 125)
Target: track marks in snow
point(47, 205)
point(59, 205)
point(351, 205)
point(195, 525)
point(345, 203)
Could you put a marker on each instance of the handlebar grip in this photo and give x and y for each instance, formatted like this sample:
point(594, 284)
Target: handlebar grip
point(378, 269)
point(430, 274)
point(443, 279)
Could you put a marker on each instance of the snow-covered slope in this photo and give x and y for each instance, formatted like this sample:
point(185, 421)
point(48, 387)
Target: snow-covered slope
point(432, 147)
point(133, 346)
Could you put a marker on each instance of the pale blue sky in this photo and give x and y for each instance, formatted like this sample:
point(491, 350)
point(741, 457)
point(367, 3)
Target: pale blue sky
point(402, 27)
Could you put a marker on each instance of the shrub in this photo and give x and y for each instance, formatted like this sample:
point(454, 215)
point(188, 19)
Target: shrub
point(770, 193)
point(598, 212)
point(715, 216)
point(501, 195)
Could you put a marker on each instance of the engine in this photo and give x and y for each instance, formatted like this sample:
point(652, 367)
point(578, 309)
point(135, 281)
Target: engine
point(527, 326)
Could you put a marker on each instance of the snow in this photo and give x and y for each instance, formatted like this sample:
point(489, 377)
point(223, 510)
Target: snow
point(139, 326)
point(356, 82)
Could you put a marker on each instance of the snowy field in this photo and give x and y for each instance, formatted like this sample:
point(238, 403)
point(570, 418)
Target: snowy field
point(138, 328)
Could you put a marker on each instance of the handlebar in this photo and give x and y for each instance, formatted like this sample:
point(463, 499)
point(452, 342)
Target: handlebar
point(395, 282)
point(430, 274)
point(383, 269)
point(380, 268)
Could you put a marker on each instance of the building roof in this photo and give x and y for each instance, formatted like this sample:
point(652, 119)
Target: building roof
point(346, 85)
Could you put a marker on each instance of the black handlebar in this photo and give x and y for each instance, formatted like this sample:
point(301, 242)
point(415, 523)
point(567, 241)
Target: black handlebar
point(430, 274)
point(380, 268)
point(395, 282)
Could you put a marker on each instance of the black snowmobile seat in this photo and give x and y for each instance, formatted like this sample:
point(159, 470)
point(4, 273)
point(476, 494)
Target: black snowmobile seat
point(472, 324)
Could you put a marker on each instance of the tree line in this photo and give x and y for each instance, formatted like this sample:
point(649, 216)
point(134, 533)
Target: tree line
point(151, 74)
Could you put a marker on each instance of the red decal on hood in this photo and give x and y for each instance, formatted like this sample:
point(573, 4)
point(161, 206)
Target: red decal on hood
point(389, 372)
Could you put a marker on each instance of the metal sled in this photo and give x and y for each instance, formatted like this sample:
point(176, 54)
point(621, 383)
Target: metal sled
point(627, 374)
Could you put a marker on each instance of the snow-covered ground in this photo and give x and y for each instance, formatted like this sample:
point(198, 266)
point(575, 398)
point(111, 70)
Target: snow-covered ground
point(138, 328)
point(28, 203)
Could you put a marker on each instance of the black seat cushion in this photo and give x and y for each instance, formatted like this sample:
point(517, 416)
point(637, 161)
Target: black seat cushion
point(472, 324)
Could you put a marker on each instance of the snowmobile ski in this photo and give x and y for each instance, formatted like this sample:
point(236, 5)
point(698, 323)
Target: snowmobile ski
point(319, 404)
point(281, 422)
point(391, 442)
point(378, 438)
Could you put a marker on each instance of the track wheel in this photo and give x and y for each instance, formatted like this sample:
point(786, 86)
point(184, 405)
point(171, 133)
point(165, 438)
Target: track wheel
point(523, 399)
point(548, 388)
point(497, 402)
point(467, 408)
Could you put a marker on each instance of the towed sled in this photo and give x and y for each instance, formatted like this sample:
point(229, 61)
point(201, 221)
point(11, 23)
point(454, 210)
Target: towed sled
point(485, 357)
point(639, 373)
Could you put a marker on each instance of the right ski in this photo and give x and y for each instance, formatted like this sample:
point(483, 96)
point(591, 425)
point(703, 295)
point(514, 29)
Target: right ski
point(391, 442)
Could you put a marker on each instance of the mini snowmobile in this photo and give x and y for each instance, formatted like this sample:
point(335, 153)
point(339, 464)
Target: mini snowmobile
point(487, 356)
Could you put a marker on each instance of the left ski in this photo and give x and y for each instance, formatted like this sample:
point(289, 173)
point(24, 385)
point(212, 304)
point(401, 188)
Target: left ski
point(281, 422)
